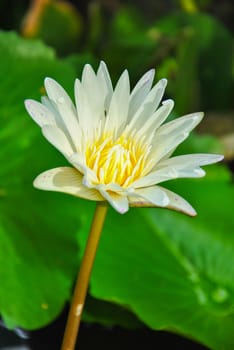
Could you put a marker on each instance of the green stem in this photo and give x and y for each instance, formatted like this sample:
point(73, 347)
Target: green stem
point(78, 300)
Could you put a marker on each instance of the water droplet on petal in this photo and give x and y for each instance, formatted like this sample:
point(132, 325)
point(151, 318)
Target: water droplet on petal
point(60, 100)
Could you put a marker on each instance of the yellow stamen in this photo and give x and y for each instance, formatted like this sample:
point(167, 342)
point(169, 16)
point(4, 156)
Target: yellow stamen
point(120, 161)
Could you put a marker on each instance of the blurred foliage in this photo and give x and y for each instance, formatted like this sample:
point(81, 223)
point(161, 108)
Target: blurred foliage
point(182, 47)
point(58, 24)
point(154, 266)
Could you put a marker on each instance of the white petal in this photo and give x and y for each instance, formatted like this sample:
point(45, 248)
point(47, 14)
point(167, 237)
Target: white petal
point(149, 105)
point(95, 95)
point(52, 107)
point(57, 93)
point(140, 92)
point(39, 113)
point(84, 111)
point(57, 138)
point(65, 108)
point(105, 84)
point(58, 120)
point(113, 187)
point(175, 203)
point(154, 195)
point(185, 166)
point(49, 104)
point(66, 180)
point(190, 160)
point(78, 161)
point(166, 174)
point(118, 111)
point(119, 203)
point(88, 77)
point(157, 118)
point(178, 203)
point(184, 124)
point(171, 134)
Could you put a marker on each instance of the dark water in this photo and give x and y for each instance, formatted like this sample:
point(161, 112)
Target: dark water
point(94, 337)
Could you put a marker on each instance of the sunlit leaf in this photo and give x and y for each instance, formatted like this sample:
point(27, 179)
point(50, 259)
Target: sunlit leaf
point(35, 279)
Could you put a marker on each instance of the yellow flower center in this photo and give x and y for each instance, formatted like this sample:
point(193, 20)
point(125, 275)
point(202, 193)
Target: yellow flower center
point(120, 161)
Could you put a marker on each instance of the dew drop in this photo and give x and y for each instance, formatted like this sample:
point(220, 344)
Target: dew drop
point(220, 295)
point(44, 306)
point(60, 100)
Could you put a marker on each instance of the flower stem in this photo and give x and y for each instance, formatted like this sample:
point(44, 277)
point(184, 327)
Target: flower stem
point(77, 304)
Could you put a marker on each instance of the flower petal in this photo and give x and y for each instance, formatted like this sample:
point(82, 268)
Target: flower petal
point(118, 111)
point(58, 121)
point(118, 202)
point(175, 202)
point(149, 105)
point(66, 180)
point(140, 91)
point(39, 113)
point(65, 108)
point(171, 134)
point(84, 111)
point(105, 84)
point(178, 203)
point(57, 138)
point(95, 95)
point(190, 160)
point(57, 94)
point(187, 123)
point(166, 174)
point(185, 166)
point(154, 195)
point(157, 118)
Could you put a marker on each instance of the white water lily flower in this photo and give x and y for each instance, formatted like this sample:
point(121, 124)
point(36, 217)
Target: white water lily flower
point(116, 141)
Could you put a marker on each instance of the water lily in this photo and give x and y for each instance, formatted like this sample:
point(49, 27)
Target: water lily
point(120, 150)
point(116, 141)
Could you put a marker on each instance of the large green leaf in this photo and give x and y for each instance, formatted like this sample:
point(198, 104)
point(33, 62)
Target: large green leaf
point(38, 248)
point(175, 272)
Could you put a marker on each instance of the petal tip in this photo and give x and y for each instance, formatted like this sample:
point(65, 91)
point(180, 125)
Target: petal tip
point(124, 210)
point(27, 103)
point(163, 82)
point(49, 81)
point(103, 65)
point(37, 182)
point(200, 115)
point(219, 157)
point(168, 102)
